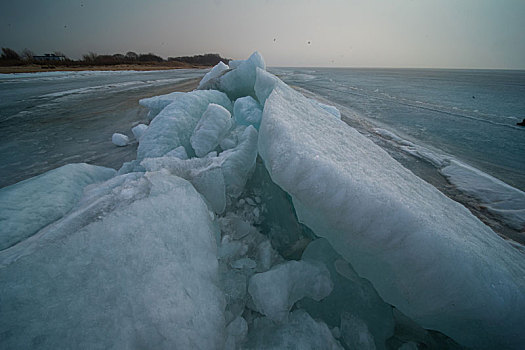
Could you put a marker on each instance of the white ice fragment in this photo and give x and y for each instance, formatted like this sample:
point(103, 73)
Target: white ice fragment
point(250, 201)
point(211, 129)
point(32, 204)
point(264, 84)
point(139, 130)
point(215, 72)
point(355, 333)
point(300, 332)
point(179, 152)
point(275, 291)
point(232, 139)
point(247, 111)
point(257, 199)
point(119, 139)
point(402, 234)
point(240, 81)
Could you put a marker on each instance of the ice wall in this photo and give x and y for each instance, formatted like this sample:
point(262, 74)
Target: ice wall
point(424, 253)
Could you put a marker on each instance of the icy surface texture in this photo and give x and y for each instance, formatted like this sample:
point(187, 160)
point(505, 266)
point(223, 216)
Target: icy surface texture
point(498, 197)
point(156, 104)
point(264, 84)
point(275, 291)
point(300, 332)
point(130, 268)
point(424, 253)
point(215, 72)
point(352, 295)
point(29, 205)
point(211, 129)
point(179, 152)
point(119, 139)
point(174, 125)
point(139, 130)
point(247, 111)
point(240, 81)
point(330, 109)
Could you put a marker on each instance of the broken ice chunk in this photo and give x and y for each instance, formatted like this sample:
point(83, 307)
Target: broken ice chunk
point(355, 333)
point(247, 111)
point(275, 291)
point(236, 333)
point(215, 72)
point(139, 130)
point(240, 81)
point(179, 152)
point(211, 128)
point(244, 263)
point(119, 139)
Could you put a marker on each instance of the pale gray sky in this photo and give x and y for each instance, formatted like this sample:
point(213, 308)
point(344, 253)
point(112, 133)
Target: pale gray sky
point(339, 33)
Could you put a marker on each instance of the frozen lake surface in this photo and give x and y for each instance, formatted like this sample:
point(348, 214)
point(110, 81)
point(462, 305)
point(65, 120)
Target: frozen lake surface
point(51, 119)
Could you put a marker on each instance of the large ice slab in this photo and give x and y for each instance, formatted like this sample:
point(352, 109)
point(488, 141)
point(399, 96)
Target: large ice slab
point(424, 253)
point(174, 125)
point(130, 268)
point(29, 205)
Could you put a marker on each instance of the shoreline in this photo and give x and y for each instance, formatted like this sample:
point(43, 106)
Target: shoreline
point(35, 68)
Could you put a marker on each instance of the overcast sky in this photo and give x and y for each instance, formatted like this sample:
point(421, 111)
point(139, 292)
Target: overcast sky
point(339, 33)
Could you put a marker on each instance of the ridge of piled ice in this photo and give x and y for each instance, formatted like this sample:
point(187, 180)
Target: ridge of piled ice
point(240, 81)
point(396, 230)
point(173, 126)
point(135, 273)
point(29, 205)
point(275, 291)
point(179, 152)
point(247, 111)
point(211, 129)
point(215, 72)
point(300, 332)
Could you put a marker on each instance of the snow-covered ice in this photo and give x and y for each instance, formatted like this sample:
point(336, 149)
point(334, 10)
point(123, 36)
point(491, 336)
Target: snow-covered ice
point(211, 129)
point(139, 130)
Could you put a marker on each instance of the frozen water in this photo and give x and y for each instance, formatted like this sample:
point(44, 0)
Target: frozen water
point(174, 125)
point(239, 162)
point(232, 139)
point(300, 332)
point(119, 139)
point(139, 130)
point(132, 269)
point(211, 129)
point(275, 291)
point(240, 81)
point(498, 197)
point(330, 109)
point(179, 152)
point(396, 230)
point(30, 205)
point(215, 72)
point(236, 333)
point(247, 111)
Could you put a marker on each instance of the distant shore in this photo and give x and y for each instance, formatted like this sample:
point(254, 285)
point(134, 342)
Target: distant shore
point(34, 68)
